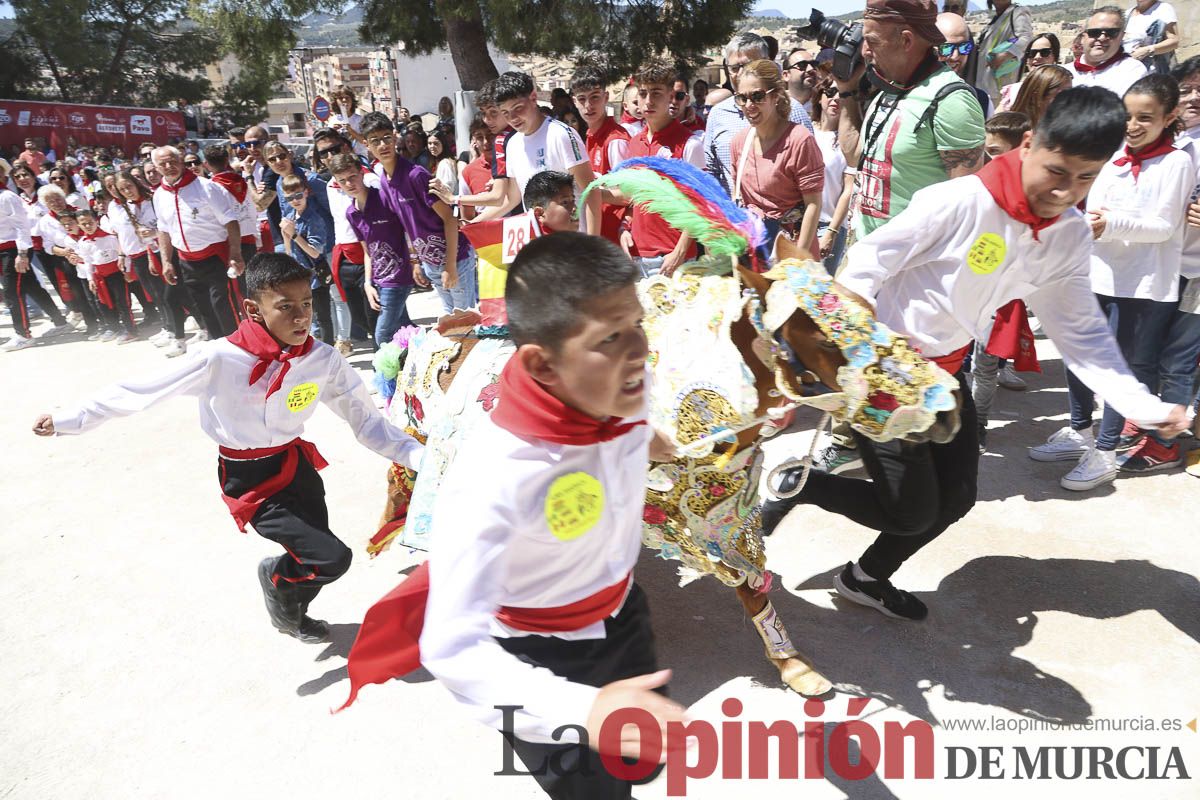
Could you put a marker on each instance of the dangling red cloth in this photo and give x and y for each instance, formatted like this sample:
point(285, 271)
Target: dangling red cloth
point(244, 508)
point(388, 642)
point(1012, 338)
point(235, 183)
point(100, 272)
point(1081, 67)
point(1164, 145)
point(1002, 178)
point(354, 254)
point(257, 341)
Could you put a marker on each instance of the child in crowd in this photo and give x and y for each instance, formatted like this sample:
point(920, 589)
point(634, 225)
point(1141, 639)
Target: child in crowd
point(389, 277)
point(1136, 210)
point(530, 595)
point(1002, 133)
point(107, 270)
point(607, 141)
point(256, 389)
point(447, 258)
point(550, 198)
point(308, 238)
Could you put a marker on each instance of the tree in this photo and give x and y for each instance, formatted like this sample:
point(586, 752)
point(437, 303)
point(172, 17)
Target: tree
point(129, 52)
point(624, 32)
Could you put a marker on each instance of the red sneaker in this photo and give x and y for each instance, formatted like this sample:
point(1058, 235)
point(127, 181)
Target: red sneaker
point(1150, 455)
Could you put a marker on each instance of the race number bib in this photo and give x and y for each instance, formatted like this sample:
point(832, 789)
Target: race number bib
point(574, 505)
point(518, 232)
point(302, 396)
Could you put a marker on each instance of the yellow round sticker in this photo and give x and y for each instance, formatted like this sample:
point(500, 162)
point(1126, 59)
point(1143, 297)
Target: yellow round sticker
point(301, 396)
point(986, 254)
point(573, 505)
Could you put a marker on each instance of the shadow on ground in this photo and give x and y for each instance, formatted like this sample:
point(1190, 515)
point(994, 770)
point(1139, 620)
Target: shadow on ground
point(979, 615)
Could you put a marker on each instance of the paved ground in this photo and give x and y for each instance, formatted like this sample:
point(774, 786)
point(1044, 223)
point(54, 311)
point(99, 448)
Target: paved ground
point(138, 662)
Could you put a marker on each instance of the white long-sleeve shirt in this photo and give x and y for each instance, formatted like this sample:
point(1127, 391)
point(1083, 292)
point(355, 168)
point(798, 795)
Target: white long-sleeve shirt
point(196, 215)
point(240, 416)
point(938, 271)
point(1189, 267)
point(118, 223)
point(494, 546)
point(1116, 78)
point(35, 210)
point(14, 221)
point(340, 203)
point(99, 248)
point(1139, 252)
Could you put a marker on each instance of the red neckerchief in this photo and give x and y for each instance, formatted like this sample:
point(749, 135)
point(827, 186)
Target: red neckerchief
point(1164, 145)
point(93, 236)
point(1082, 68)
point(235, 183)
point(1002, 177)
point(187, 177)
point(526, 409)
point(257, 341)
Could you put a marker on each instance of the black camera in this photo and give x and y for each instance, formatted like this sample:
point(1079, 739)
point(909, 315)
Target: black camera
point(844, 40)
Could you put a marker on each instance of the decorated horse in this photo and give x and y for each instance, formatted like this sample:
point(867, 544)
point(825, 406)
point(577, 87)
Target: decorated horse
point(732, 352)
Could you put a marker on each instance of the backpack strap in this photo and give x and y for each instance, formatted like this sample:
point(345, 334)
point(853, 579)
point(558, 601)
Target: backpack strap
point(942, 94)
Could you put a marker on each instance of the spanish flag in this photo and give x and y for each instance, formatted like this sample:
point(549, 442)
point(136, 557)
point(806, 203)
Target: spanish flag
point(496, 243)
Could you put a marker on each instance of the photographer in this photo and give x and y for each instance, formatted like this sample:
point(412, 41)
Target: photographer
point(923, 126)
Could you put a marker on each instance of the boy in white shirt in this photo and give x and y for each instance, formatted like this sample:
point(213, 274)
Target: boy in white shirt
point(255, 390)
point(531, 603)
point(107, 270)
point(937, 273)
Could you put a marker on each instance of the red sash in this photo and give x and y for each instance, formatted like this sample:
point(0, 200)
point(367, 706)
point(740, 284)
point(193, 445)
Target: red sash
point(102, 271)
point(388, 643)
point(353, 253)
point(245, 507)
point(952, 362)
point(1012, 338)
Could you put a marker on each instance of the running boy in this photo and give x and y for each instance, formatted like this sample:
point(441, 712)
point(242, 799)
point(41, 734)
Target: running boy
point(256, 389)
point(531, 598)
point(937, 273)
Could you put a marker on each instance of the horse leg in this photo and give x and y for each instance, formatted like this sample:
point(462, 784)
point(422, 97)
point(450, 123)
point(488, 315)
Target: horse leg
point(794, 669)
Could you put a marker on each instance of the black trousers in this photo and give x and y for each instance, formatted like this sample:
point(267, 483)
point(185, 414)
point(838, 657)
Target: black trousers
point(71, 289)
point(323, 309)
point(575, 772)
point(295, 517)
point(353, 278)
point(21, 285)
point(212, 295)
point(121, 311)
point(916, 491)
point(155, 286)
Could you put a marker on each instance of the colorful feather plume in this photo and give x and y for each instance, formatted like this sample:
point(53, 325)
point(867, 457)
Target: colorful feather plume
point(689, 200)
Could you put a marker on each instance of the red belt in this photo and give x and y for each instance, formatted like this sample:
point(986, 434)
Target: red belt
point(264, 233)
point(952, 362)
point(388, 643)
point(102, 271)
point(216, 249)
point(350, 252)
point(245, 507)
point(6, 246)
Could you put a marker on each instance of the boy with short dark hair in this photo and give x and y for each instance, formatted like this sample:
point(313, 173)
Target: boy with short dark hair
point(256, 389)
point(607, 141)
point(308, 237)
point(107, 272)
point(1003, 132)
point(531, 599)
point(936, 273)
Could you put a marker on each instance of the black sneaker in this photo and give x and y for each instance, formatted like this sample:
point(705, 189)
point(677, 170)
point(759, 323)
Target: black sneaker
point(879, 595)
point(311, 631)
point(283, 616)
point(982, 433)
point(835, 459)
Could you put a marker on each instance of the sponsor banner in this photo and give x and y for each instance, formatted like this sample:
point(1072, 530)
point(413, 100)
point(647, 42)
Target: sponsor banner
point(110, 126)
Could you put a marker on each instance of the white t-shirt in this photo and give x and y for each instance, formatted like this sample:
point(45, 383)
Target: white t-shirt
point(354, 122)
point(1116, 78)
point(835, 172)
point(555, 145)
point(1137, 25)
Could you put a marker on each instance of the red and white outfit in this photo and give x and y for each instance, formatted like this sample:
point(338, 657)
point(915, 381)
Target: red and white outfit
point(346, 246)
point(124, 227)
point(606, 148)
point(35, 210)
point(194, 213)
point(652, 236)
point(248, 215)
point(1117, 74)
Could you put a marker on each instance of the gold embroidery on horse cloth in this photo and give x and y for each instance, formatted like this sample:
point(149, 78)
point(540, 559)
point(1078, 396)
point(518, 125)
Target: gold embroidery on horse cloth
point(701, 511)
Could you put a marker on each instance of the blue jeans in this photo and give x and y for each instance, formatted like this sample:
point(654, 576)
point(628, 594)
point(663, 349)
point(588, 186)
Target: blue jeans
point(393, 313)
point(834, 259)
point(1139, 327)
point(1181, 351)
point(649, 266)
point(465, 293)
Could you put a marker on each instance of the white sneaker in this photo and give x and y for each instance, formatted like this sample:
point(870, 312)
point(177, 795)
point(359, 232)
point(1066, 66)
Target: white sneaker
point(1094, 468)
point(161, 339)
point(1009, 379)
point(16, 343)
point(74, 317)
point(126, 338)
point(198, 337)
point(58, 330)
point(1065, 444)
point(176, 347)
point(107, 336)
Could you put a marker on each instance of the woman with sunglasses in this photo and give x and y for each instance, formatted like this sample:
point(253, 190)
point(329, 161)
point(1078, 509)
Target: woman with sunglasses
point(778, 170)
point(194, 163)
point(1044, 49)
point(1002, 46)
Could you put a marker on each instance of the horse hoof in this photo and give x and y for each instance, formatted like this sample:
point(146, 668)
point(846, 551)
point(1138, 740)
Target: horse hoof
point(801, 678)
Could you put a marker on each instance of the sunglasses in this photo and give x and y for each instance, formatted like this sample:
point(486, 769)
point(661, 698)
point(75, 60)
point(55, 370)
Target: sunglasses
point(294, 197)
point(946, 49)
point(278, 157)
point(756, 97)
point(681, 95)
point(735, 67)
point(801, 65)
point(250, 143)
point(1040, 52)
point(1096, 33)
point(191, 162)
point(329, 151)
